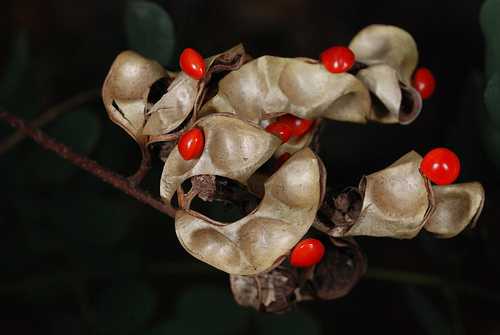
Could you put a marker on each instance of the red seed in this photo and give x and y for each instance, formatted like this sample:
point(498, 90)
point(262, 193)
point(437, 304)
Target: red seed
point(299, 126)
point(424, 82)
point(338, 59)
point(441, 166)
point(192, 63)
point(307, 253)
point(191, 144)
point(280, 129)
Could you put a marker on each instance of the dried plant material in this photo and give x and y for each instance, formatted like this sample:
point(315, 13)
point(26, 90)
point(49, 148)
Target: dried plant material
point(397, 201)
point(383, 44)
point(295, 144)
point(271, 291)
point(457, 206)
point(339, 212)
point(270, 86)
point(185, 93)
point(339, 271)
point(259, 241)
point(126, 89)
point(173, 107)
point(233, 149)
point(399, 103)
point(278, 290)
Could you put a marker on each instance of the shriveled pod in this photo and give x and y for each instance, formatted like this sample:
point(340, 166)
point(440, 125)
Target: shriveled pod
point(397, 201)
point(391, 56)
point(181, 101)
point(258, 241)
point(269, 86)
point(125, 91)
point(280, 289)
point(457, 206)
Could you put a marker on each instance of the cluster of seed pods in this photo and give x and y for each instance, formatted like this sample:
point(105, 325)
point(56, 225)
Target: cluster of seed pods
point(253, 125)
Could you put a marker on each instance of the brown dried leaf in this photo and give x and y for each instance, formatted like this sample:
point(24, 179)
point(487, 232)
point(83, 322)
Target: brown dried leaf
point(397, 201)
point(457, 206)
point(258, 242)
point(126, 89)
point(270, 86)
point(383, 44)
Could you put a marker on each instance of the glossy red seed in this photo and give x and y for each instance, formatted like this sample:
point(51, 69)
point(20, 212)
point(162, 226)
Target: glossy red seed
point(280, 129)
point(424, 82)
point(281, 160)
point(299, 126)
point(191, 144)
point(441, 166)
point(307, 253)
point(338, 59)
point(192, 63)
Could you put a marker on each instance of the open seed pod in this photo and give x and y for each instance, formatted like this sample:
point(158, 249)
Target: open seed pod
point(258, 241)
point(391, 55)
point(126, 89)
point(270, 86)
point(384, 44)
point(394, 101)
point(233, 149)
point(397, 201)
point(457, 206)
point(278, 290)
point(185, 94)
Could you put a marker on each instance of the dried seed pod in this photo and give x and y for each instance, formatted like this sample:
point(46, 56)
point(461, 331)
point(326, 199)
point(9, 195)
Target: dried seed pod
point(397, 201)
point(185, 94)
point(340, 270)
point(258, 241)
point(269, 86)
point(173, 107)
point(271, 291)
point(383, 44)
point(399, 103)
point(281, 288)
point(457, 206)
point(126, 89)
point(391, 55)
point(233, 149)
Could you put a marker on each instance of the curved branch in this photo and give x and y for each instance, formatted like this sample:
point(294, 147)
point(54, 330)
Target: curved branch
point(86, 164)
point(49, 115)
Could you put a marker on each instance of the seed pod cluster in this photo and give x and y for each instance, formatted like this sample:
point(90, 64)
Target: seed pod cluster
point(245, 137)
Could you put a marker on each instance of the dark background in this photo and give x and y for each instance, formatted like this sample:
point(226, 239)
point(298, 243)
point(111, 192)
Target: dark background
point(76, 256)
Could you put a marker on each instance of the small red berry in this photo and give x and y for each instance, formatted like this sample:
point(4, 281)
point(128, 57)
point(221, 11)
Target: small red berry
point(299, 126)
point(280, 129)
point(191, 144)
point(441, 166)
point(338, 59)
point(192, 63)
point(281, 160)
point(307, 253)
point(424, 82)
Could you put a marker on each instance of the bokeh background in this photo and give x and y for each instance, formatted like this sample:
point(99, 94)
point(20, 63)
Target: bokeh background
point(79, 257)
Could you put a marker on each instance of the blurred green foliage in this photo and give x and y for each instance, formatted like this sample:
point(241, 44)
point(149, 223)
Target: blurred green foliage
point(490, 122)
